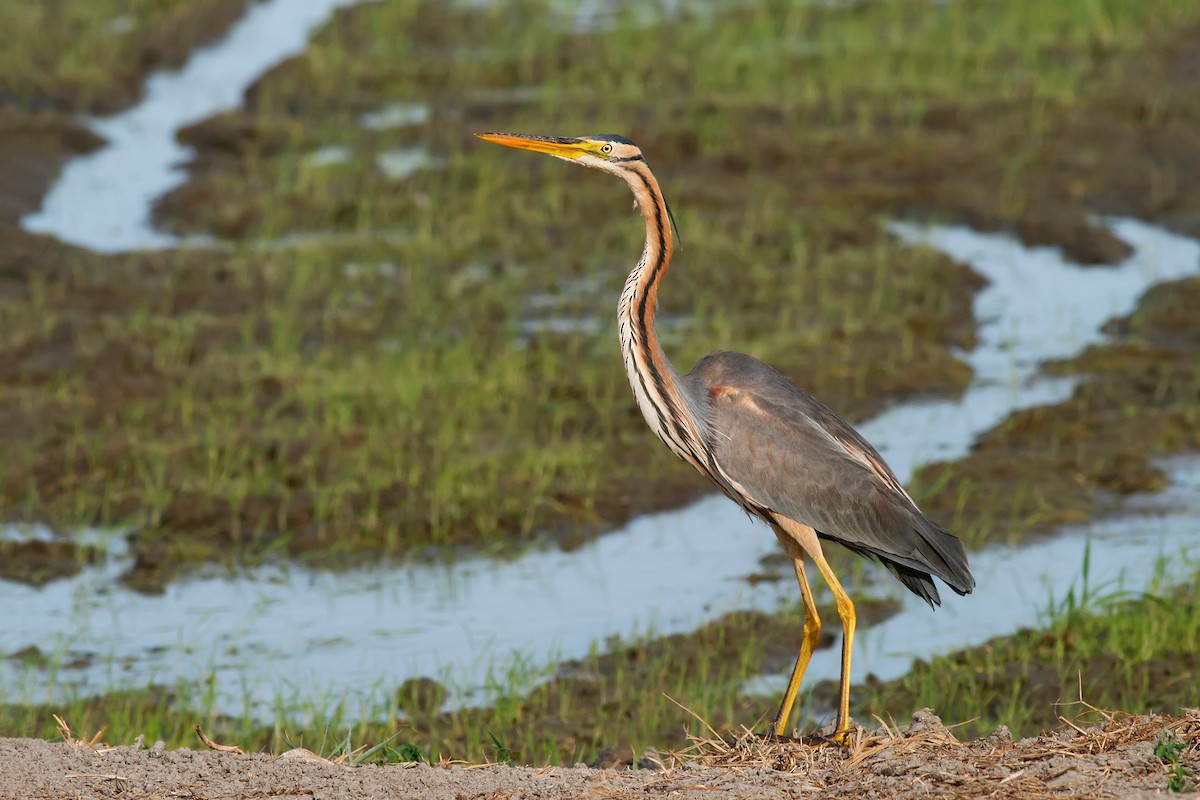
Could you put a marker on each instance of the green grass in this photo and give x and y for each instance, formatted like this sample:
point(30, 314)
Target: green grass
point(1169, 751)
point(1112, 650)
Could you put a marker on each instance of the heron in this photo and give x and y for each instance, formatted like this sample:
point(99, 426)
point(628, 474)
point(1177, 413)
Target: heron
point(771, 447)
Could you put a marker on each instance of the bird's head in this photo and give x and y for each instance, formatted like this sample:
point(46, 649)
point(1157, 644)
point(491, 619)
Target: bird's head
point(607, 152)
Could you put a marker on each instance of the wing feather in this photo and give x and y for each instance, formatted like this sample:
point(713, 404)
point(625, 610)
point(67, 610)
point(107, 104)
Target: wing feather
point(792, 455)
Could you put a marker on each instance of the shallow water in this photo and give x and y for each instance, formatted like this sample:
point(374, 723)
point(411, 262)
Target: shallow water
point(1037, 307)
point(363, 631)
point(394, 116)
point(403, 162)
point(276, 634)
point(103, 200)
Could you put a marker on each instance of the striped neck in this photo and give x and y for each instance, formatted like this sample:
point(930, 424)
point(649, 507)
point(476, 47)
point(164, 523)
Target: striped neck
point(656, 383)
point(639, 299)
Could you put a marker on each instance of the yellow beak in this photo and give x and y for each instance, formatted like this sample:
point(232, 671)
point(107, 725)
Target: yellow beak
point(550, 145)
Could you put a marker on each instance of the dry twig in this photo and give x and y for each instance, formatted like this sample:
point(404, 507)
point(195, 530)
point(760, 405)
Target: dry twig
point(224, 748)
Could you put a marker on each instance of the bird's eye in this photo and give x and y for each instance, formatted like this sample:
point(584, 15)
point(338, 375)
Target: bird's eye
point(606, 149)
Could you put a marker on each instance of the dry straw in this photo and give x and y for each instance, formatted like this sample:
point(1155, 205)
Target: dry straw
point(1100, 757)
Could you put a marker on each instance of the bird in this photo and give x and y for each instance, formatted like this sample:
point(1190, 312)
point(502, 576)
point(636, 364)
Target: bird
point(771, 447)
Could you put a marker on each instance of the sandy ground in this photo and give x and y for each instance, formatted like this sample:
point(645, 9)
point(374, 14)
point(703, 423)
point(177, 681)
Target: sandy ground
point(1115, 759)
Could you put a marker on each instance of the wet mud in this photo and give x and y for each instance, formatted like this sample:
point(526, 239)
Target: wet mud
point(33, 656)
point(33, 148)
point(38, 562)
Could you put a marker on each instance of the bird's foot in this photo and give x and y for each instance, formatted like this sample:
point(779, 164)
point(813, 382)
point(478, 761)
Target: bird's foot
point(841, 738)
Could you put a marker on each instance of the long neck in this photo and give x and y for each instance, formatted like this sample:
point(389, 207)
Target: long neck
point(656, 383)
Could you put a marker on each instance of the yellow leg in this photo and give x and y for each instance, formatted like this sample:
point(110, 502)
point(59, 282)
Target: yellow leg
point(845, 608)
point(812, 632)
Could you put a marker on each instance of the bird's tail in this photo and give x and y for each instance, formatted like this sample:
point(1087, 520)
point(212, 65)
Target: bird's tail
point(944, 554)
point(935, 552)
point(918, 582)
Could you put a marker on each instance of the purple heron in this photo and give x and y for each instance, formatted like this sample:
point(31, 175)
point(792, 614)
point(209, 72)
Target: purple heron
point(775, 450)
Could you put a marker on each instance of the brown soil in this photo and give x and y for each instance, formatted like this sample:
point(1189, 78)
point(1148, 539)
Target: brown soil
point(1122, 757)
point(33, 148)
point(37, 563)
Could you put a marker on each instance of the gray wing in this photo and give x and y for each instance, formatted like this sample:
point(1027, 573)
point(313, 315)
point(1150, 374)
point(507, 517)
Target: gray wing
point(792, 455)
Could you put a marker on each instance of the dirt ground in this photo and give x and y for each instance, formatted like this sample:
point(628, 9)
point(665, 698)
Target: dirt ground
point(1126, 756)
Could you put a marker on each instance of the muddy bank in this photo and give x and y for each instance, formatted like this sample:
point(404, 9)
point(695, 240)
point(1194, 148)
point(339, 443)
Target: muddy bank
point(33, 148)
point(1124, 756)
point(37, 562)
